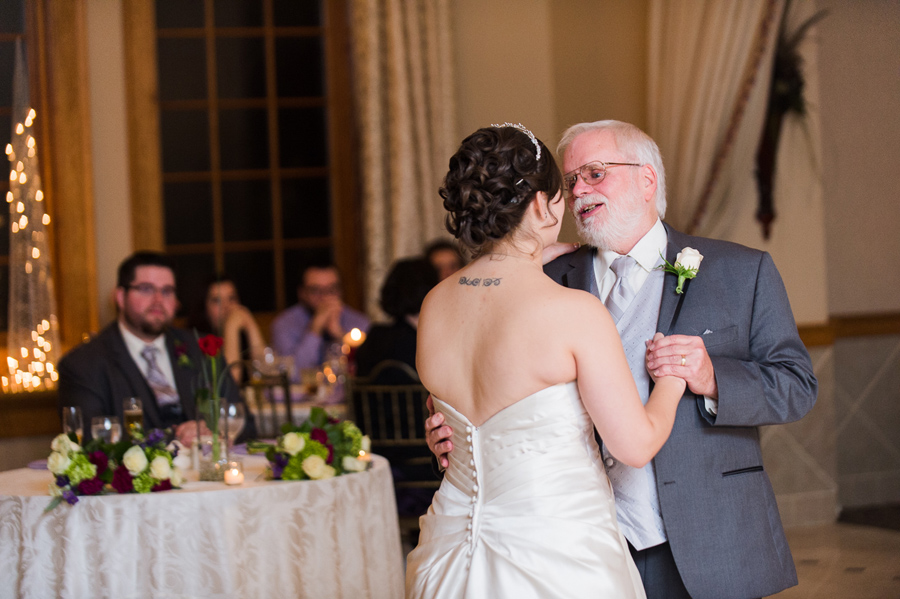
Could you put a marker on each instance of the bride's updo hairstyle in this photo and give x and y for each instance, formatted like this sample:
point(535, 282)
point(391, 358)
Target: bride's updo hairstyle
point(493, 177)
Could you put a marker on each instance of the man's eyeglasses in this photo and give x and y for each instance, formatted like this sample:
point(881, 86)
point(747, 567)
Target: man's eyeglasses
point(149, 290)
point(591, 173)
point(320, 290)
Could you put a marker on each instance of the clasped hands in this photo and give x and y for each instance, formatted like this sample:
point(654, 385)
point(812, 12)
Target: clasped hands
point(683, 356)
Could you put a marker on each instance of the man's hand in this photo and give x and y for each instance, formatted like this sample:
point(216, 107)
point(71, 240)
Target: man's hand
point(186, 432)
point(327, 317)
point(683, 356)
point(557, 249)
point(437, 435)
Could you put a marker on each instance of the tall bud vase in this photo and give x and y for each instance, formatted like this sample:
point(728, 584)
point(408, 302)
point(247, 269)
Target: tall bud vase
point(212, 438)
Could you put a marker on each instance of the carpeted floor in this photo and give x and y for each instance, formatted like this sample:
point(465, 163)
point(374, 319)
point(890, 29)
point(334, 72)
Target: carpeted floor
point(882, 516)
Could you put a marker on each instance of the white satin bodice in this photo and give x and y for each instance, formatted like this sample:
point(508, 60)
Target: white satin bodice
point(525, 509)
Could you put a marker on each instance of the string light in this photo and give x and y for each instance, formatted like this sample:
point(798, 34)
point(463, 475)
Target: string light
point(33, 329)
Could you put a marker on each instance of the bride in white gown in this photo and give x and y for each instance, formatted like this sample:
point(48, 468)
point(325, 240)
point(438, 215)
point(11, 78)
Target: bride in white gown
point(523, 370)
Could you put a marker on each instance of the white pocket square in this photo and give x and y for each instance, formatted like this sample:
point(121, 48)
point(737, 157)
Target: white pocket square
point(707, 332)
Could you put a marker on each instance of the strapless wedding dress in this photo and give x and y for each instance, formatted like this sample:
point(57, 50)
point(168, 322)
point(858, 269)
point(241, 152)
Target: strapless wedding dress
point(525, 509)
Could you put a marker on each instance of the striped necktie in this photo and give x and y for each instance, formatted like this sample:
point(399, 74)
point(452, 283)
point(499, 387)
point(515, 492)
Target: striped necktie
point(165, 394)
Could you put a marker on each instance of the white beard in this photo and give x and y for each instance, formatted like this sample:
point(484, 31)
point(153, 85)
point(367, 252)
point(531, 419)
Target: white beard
point(622, 218)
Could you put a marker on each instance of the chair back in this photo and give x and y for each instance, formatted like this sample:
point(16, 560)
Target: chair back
point(268, 396)
point(389, 405)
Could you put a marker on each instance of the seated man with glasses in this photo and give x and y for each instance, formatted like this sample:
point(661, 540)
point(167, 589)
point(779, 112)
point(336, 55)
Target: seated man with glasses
point(141, 355)
point(306, 330)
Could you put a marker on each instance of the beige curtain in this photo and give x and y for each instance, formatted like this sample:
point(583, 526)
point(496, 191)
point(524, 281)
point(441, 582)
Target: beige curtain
point(404, 102)
point(710, 64)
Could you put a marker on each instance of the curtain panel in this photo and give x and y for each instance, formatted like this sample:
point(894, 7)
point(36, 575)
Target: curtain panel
point(709, 74)
point(402, 69)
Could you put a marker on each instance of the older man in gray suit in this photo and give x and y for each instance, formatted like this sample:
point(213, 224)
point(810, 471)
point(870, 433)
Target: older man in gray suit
point(701, 518)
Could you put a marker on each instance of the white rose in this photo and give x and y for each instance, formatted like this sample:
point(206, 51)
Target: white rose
point(316, 468)
point(176, 478)
point(182, 460)
point(689, 258)
point(366, 444)
point(160, 468)
point(135, 460)
point(60, 444)
point(58, 462)
point(293, 443)
point(351, 464)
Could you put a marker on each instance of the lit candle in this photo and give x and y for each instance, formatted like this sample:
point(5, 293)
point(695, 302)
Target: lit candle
point(364, 456)
point(234, 475)
point(354, 338)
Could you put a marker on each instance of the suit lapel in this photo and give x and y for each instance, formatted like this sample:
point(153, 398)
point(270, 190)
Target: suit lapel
point(581, 270)
point(670, 299)
point(184, 375)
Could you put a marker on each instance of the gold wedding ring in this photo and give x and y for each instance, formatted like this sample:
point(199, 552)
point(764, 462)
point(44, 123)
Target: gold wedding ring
point(683, 360)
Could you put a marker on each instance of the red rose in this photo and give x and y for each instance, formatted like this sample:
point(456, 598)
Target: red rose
point(121, 481)
point(90, 486)
point(99, 459)
point(330, 454)
point(319, 434)
point(163, 485)
point(210, 345)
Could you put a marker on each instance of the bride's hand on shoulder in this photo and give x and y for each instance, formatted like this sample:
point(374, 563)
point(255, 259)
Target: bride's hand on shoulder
point(557, 249)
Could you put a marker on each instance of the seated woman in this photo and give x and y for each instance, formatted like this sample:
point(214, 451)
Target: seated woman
point(402, 293)
point(222, 314)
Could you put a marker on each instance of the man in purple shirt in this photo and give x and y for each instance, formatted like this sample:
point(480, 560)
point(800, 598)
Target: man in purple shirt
point(305, 330)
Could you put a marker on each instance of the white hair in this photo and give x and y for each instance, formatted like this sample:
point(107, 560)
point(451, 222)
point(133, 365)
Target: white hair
point(634, 143)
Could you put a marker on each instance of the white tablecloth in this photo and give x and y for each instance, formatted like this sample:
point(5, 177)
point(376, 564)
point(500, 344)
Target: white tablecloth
point(271, 539)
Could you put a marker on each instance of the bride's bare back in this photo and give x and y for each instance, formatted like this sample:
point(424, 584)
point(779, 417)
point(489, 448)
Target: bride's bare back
point(492, 335)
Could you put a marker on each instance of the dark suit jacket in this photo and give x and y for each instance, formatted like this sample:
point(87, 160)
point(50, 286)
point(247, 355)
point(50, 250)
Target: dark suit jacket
point(716, 500)
point(395, 341)
point(98, 375)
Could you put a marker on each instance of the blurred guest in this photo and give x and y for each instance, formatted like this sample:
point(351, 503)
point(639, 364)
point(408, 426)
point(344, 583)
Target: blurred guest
point(444, 256)
point(222, 314)
point(402, 294)
point(141, 355)
point(306, 330)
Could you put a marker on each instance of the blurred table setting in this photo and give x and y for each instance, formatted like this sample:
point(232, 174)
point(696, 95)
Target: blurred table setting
point(262, 538)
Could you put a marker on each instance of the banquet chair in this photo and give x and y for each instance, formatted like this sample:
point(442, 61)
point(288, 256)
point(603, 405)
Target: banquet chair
point(263, 392)
point(389, 406)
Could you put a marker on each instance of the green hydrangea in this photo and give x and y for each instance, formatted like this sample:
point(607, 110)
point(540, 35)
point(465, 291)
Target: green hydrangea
point(352, 439)
point(80, 468)
point(294, 468)
point(143, 482)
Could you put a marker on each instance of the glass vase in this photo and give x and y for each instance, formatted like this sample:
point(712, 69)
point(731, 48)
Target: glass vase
point(212, 438)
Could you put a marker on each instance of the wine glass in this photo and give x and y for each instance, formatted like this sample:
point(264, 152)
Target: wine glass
point(235, 415)
point(106, 428)
point(72, 422)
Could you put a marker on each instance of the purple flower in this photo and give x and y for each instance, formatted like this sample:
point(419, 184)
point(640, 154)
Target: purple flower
point(155, 436)
point(282, 459)
point(277, 470)
point(70, 497)
point(62, 480)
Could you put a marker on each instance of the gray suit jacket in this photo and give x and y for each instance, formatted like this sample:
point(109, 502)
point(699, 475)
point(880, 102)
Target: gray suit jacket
point(716, 499)
point(98, 375)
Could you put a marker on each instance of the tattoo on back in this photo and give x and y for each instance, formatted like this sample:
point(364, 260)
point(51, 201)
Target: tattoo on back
point(476, 282)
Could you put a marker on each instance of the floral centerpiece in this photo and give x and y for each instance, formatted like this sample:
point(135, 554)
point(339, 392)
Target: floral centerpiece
point(320, 448)
point(136, 464)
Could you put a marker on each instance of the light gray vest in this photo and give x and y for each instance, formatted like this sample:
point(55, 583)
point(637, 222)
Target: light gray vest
point(637, 500)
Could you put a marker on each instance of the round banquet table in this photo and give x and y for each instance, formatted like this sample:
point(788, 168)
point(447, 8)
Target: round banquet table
point(271, 539)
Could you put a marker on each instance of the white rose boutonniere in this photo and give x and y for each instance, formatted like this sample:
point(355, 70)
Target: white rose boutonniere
point(687, 263)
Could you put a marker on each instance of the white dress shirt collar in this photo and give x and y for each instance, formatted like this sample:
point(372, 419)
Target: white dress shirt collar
point(646, 252)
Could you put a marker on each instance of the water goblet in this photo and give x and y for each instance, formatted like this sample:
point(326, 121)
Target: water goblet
point(72, 422)
point(106, 428)
point(232, 419)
